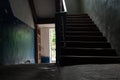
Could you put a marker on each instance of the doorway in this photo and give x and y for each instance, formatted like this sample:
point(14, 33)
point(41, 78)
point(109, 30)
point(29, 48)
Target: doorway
point(52, 42)
point(47, 43)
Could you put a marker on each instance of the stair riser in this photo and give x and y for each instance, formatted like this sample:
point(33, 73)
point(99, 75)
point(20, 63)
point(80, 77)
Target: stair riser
point(84, 16)
point(100, 39)
point(79, 22)
point(81, 29)
point(77, 15)
point(84, 34)
point(88, 52)
point(85, 27)
point(87, 20)
point(76, 61)
point(80, 25)
point(78, 18)
point(87, 45)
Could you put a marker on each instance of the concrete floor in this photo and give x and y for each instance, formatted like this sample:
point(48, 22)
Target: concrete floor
point(51, 72)
point(91, 72)
point(29, 72)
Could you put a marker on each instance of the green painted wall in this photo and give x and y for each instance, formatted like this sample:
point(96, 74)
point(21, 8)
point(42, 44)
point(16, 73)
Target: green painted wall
point(16, 38)
point(17, 41)
point(73, 6)
point(106, 14)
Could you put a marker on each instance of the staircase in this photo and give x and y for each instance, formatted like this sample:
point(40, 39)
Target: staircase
point(83, 43)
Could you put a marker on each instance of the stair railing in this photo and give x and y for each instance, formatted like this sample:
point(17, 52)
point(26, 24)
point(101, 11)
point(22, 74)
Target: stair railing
point(60, 29)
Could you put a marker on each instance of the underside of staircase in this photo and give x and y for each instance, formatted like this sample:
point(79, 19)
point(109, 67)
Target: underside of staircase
point(83, 43)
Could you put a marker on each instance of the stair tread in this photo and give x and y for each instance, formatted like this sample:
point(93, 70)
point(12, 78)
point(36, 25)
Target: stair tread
point(80, 17)
point(91, 36)
point(79, 21)
point(90, 56)
point(77, 14)
point(77, 60)
point(82, 27)
point(82, 42)
point(80, 24)
point(84, 32)
point(84, 36)
point(88, 51)
point(91, 39)
point(86, 44)
point(78, 48)
point(72, 21)
point(72, 16)
point(89, 48)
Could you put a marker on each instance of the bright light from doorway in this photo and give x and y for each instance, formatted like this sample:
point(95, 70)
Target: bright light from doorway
point(52, 42)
